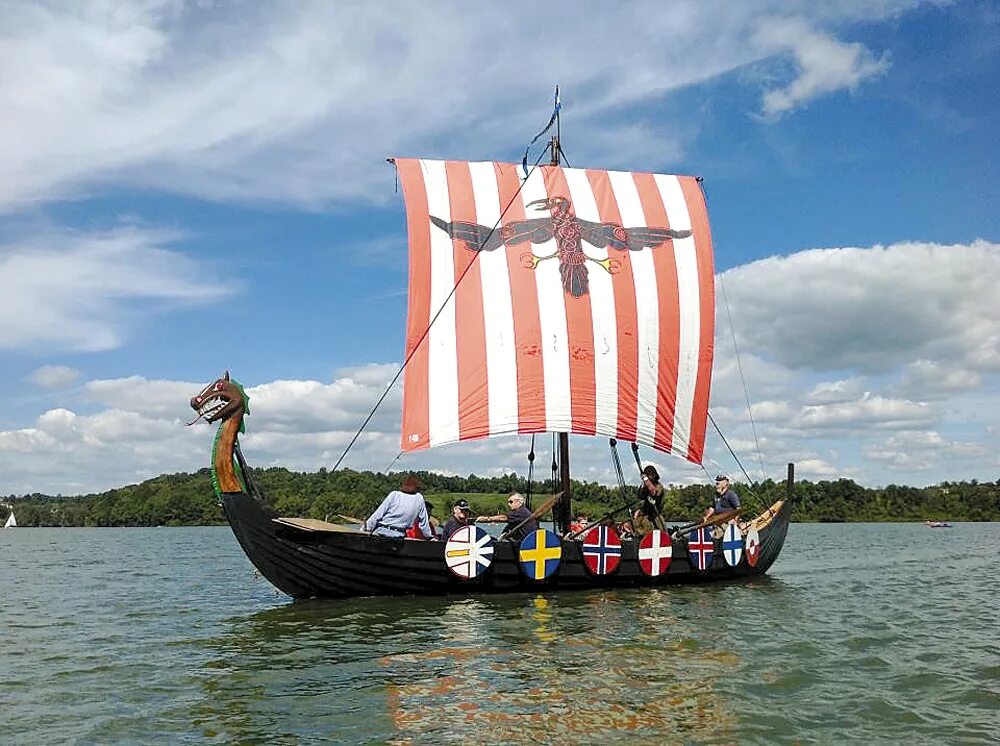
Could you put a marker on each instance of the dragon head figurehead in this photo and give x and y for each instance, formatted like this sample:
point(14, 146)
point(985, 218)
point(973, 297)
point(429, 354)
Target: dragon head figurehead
point(220, 400)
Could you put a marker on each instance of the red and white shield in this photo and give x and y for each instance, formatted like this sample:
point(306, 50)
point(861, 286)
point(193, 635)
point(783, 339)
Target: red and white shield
point(655, 552)
point(753, 546)
point(602, 550)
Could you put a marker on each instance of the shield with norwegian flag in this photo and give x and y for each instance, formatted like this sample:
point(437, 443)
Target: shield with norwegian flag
point(732, 545)
point(655, 552)
point(701, 548)
point(753, 546)
point(602, 550)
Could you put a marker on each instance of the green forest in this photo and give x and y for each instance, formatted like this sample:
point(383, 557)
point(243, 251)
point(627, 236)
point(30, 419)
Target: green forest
point(188, 499)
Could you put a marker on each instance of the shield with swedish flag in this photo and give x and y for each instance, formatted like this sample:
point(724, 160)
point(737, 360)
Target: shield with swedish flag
point(540, 554)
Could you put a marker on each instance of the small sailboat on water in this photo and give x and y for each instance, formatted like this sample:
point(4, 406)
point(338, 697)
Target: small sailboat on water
point(11, 520)
point(543, 300)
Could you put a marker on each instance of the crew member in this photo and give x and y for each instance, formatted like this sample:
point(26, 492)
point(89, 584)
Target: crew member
point(725, 498)
point(517, 513)
point(461, 515)
point(651, 494)
point(399, 511)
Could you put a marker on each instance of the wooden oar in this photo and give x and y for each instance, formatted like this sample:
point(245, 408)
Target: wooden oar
point(543, 508)
point(350, 518)
point(692, 524)
point(606, 517)
point(713, 521)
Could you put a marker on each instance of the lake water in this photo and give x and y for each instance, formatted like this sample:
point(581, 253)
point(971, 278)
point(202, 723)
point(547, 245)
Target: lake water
point(878, 633)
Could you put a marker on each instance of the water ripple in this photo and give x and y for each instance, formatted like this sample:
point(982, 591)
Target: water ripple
point(880, 633)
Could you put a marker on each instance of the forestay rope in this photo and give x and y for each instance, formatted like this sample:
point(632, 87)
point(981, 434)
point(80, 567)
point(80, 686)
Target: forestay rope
point(434, 318)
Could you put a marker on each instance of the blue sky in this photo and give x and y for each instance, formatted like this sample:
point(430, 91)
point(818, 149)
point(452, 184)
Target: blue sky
point(191, 187)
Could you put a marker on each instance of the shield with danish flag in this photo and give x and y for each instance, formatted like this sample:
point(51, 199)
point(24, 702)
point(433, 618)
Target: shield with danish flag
point(469, 552)
point(753, 546)
point(732, 545)
point(602, 550)
point(701, 548)
point(655, 552)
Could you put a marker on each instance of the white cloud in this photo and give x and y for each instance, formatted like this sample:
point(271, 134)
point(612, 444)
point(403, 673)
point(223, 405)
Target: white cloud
point(823, 64)
point(921, 451)
point(930, 379)
point(868, 411)
point(54, 376)
point(840, 397)
point(835, 392)
point(300, 102)
point(872, 310)
point(67, 290)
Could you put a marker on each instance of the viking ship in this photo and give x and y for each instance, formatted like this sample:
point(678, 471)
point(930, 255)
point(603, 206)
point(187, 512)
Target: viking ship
point(543, 300)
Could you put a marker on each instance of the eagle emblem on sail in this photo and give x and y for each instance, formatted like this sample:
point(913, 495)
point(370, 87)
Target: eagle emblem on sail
point(569, 233)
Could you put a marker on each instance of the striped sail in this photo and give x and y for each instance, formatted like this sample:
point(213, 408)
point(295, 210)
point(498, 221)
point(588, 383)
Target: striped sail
point(574, 315)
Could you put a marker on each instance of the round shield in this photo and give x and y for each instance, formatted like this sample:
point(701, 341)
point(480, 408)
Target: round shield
point(655, 552)
point(701, 548)
point(469, 552)
point(540, 554)
point(753, 546)
point(602, 550)
point(732, 545)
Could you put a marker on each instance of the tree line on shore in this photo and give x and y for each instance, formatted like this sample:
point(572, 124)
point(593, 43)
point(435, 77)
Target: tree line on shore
point(188, 499)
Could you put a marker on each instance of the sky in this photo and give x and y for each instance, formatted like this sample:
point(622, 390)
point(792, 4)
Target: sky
point(191, 187)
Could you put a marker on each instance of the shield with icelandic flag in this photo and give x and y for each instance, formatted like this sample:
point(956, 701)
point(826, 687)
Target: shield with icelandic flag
point(602, 550)
point(540, 554)
point(655, 552)
point(701, 548)
point(469, 552)
point(753, 546)
point(732, 545)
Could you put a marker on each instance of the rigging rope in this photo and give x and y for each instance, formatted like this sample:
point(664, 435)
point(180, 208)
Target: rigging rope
point(555, 464)
point(392, 463)
point(618, 465)
point(531, 472)
point(556, 108)
point(733, 453)
point(434, 318)
point(739, 366)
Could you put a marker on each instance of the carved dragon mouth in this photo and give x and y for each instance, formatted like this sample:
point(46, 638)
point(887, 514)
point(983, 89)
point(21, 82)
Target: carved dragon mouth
point(209, 407)
point(211, 404)
point(218, 401)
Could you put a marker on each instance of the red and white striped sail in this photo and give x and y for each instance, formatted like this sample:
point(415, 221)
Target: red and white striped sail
point(513, 349)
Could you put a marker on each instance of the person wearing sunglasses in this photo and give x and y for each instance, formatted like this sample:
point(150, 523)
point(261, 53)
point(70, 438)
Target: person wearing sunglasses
point(517, 512)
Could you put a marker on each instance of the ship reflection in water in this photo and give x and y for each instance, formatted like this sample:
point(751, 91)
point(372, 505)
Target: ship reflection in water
point(574, 667)
point(676, 663)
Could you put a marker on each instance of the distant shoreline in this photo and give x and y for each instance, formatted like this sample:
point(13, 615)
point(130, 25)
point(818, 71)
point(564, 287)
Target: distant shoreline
point(188, 499)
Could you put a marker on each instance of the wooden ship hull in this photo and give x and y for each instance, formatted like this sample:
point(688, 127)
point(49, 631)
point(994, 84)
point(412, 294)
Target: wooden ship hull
point(305, 563)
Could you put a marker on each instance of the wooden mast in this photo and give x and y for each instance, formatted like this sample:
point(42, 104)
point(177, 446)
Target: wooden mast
point(563, 513)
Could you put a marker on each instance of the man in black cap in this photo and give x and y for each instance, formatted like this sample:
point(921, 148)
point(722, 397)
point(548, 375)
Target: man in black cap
point(725, 498)
point(461, 515)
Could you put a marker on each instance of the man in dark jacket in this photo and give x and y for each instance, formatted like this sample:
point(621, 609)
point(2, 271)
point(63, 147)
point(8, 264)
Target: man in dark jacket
point(461, 515)
point(725, 498)
point(517, 513)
